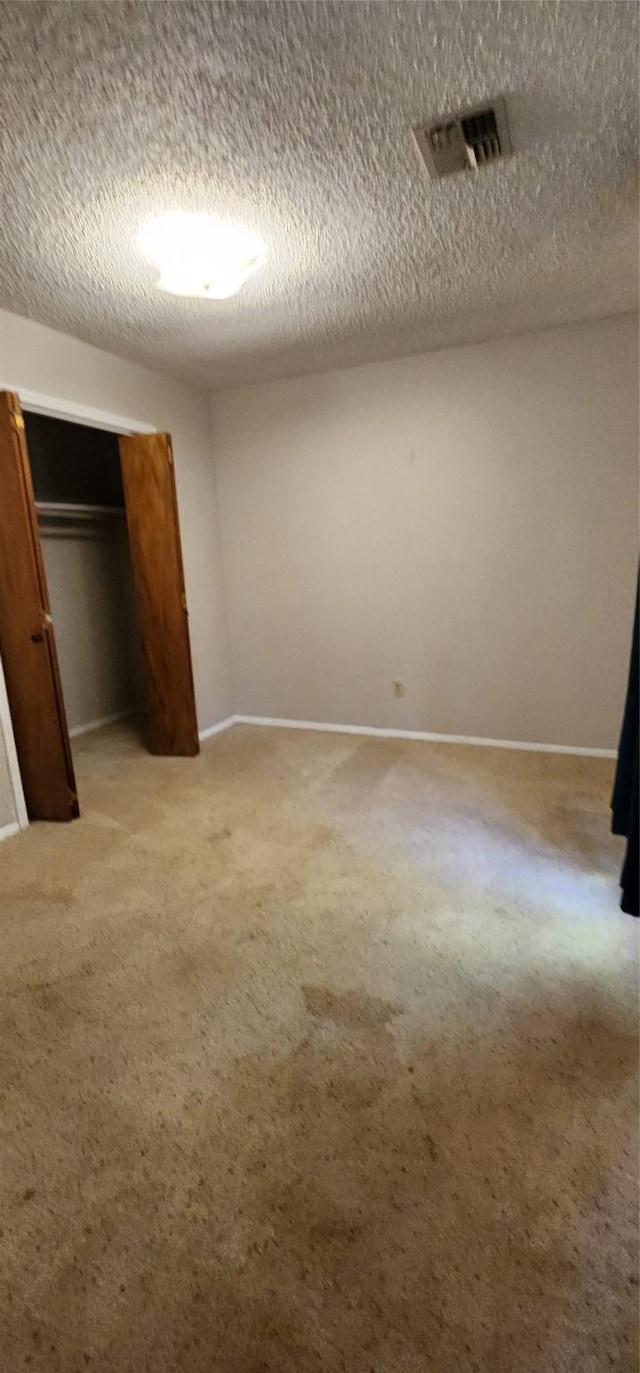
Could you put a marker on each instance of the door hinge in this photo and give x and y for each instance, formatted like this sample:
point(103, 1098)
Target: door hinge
point(46, 619)
point(18, 421)
point(184, 602)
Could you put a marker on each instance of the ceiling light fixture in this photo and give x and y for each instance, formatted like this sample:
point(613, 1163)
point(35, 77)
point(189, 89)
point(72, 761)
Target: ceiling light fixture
point(200, 256)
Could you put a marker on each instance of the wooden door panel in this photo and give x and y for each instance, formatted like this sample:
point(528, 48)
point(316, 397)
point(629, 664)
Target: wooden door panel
point(156, 556)
point(27, 640)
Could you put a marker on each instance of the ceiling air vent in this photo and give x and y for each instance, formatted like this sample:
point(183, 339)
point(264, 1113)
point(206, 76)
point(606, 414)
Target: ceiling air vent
point(464, 142)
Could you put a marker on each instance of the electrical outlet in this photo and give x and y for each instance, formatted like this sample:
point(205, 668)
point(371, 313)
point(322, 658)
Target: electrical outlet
point(397, 688)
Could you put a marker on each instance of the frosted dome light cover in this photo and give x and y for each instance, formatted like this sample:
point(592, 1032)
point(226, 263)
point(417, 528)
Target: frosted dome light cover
point(199, 255)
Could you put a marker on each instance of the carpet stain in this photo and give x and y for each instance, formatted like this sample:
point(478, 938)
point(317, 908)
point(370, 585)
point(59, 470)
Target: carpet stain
point(329, 1065)
point(218, 836)
point(37, 891)
point(354, 1008)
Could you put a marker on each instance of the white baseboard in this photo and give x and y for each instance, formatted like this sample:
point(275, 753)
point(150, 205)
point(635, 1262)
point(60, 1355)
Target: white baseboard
point(424, 736)
point(6, 831)
point(419, 735)
point(122, 714)
point(217, 729)
point(98, 724)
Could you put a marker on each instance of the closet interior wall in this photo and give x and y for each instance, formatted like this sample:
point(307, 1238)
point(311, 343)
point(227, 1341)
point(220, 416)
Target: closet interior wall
point(78, 491)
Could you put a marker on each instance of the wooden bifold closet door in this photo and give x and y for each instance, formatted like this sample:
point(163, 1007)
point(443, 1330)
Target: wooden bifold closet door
point(154, 540)
point(27, 639)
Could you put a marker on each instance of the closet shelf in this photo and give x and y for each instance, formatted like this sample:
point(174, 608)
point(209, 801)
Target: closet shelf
point(64, 520)
point(58, 510)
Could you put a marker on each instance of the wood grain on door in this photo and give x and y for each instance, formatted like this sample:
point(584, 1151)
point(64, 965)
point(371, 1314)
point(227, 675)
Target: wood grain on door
point(156, 556)
point(27, 639)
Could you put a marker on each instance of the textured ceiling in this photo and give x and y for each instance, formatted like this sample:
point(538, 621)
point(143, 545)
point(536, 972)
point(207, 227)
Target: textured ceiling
point(296, 118)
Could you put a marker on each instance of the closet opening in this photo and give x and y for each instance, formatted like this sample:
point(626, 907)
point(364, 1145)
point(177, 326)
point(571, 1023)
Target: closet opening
point(93, 610)
point(80, 505)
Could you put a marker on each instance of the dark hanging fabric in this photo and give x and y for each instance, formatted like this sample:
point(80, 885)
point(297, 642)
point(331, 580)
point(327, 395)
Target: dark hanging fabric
point(624, 802)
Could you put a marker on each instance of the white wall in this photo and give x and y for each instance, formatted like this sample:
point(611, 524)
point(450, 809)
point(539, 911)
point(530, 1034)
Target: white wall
point(12, 815)
point(40, 359)
point(8, 815)
point(90, 583)
point(465, 521)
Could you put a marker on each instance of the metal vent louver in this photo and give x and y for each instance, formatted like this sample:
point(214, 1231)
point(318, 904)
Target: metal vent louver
point(464, 142)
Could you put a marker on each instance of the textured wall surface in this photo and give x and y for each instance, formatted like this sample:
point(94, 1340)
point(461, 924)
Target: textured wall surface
point(296, 119)
point(465, 522)
point(39, 359)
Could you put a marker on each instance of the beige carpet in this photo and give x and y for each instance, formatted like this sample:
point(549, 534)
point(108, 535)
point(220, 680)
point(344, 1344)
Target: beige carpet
point(318, 1054)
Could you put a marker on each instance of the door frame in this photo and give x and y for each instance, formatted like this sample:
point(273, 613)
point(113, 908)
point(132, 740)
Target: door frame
point(59, 409)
